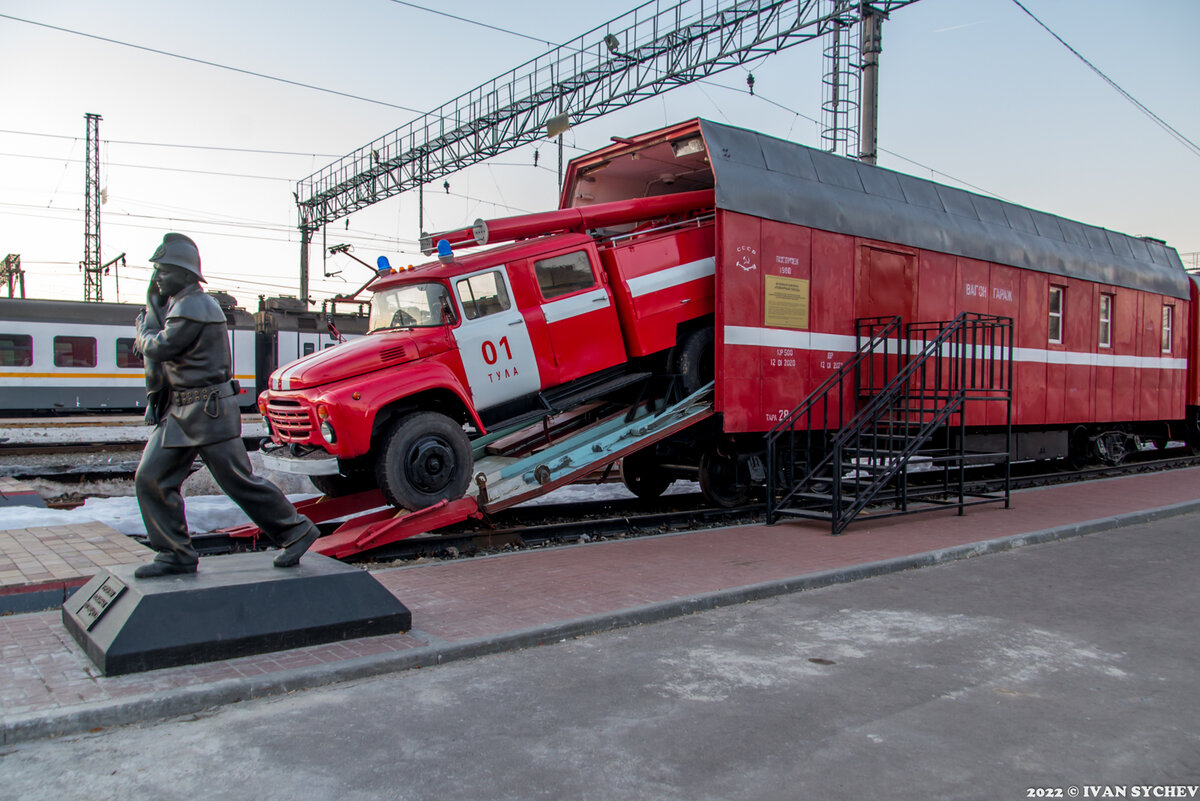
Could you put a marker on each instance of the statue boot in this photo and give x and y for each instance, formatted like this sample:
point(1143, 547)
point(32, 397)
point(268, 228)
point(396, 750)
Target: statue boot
point(291, 553)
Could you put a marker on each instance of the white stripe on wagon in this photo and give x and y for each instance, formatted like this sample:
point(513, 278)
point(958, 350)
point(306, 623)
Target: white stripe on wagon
point(672, 276)
point(839, 343)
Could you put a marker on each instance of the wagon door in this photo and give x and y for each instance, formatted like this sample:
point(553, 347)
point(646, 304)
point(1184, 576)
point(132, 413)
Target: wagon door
point(585, 335)
point(493, 340)
point(886, 283)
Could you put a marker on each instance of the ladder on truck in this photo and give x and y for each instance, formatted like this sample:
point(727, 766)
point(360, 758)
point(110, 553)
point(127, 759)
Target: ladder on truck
point(915, 395)
point(510, 466)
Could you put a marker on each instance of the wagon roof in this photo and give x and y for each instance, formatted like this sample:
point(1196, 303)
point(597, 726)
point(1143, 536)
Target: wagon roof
point(784, 181)
point(778, 180)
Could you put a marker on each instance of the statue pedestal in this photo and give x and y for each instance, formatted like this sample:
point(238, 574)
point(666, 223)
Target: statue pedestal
point(233, 606)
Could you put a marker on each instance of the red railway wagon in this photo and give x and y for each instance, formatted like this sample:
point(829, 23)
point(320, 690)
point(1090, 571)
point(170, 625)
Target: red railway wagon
point(711, 251)
point(808, 242)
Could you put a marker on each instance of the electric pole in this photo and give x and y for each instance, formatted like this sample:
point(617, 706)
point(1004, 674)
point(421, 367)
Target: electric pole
point(870, 46)
point(90, 265)
point(12, 274)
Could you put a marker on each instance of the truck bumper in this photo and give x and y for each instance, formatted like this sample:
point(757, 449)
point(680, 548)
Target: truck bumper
point(317, 463)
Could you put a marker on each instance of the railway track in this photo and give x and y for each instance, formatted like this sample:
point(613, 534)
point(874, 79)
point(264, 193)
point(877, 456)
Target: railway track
point(565, 524)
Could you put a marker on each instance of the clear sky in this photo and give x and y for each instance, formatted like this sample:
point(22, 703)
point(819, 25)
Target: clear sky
point(971, 89)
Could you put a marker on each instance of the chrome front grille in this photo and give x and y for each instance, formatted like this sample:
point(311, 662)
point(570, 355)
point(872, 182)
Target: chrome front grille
point(290, 420)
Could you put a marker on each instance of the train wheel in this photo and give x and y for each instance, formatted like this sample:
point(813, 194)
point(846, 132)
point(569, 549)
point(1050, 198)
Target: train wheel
point(693, 362)
point(720, 479)
point(1112, 447)
point(426, 458)
point(643, 475)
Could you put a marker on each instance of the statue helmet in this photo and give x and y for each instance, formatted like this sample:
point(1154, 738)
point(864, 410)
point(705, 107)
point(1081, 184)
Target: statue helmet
point(179, 251)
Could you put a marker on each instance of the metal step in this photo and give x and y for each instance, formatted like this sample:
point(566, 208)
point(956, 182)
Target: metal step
point(581, 393)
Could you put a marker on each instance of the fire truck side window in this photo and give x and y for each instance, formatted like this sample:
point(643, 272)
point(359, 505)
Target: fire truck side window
point(483, 294)
point(562, 275)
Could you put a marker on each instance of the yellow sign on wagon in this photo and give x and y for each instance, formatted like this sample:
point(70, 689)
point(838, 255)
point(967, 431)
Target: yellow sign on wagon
point(786, 302)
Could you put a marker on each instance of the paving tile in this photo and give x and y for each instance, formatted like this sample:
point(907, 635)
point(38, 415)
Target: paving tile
point(41, 667)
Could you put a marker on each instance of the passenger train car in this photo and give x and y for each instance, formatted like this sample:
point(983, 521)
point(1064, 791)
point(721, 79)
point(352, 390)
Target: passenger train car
point(60, 356)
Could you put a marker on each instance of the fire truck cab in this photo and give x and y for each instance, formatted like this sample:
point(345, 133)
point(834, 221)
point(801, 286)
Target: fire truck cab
point(586, 302)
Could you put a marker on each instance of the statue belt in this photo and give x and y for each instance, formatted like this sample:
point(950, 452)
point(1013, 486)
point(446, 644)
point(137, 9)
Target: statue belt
point(182, 397)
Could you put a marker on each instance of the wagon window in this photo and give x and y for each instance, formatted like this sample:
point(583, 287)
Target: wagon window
point(562, 275)
point(16, 350)
point(126, 357)
point(1056, 314)
point(1168, 322)
point(1106, 307)
point(483, 294)
point(74, 352)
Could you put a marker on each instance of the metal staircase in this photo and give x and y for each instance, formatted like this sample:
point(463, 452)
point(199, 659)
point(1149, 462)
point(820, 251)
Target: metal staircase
point(915, 396)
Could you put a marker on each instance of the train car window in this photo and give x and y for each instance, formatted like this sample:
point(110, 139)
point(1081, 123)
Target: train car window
point(1168, 324)
point(309, 347)
point(1106, 307)
point(74, 352)
point(562, 275)
point(1056, 314)
point(126, 357)
point(483, 294)
point(16, 350)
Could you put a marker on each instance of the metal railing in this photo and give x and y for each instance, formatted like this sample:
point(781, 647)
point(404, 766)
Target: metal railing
point(964, 360)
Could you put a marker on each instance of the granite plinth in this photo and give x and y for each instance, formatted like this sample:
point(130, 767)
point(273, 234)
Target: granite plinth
point(233, 606)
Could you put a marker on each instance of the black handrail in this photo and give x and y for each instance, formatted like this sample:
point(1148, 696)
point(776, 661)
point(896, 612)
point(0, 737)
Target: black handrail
point(968, 358)
point(880, 333)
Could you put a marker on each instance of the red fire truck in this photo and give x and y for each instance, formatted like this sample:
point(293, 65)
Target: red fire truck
point(587, 304)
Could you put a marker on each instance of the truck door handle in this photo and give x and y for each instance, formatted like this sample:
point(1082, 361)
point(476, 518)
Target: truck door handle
point(600, 300)
point(516, 322)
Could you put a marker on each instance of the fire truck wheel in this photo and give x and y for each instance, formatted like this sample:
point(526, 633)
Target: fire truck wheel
point(643, 475)
point(339, 485)
point(720, 479)
point(425, 459)
point(693, 361)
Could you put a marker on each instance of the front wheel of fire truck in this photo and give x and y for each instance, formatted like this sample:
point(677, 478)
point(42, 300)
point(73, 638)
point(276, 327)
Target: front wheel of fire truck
point(341, 484)
point(425, 458)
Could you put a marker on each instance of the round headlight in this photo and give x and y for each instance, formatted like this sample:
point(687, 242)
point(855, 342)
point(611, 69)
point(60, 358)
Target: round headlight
point(327, 432)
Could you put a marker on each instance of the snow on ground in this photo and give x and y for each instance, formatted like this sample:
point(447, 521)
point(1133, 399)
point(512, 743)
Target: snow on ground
point(207, 510)
point(117, 429)
point(111, 501)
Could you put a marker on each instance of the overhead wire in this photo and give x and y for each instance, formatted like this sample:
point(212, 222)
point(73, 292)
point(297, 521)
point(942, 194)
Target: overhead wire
point(1183, 140)
point(255, 151)
point(154, 167)
point(194, 60)
point(474, 22)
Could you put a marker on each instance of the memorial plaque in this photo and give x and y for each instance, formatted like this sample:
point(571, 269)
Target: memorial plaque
point(98, 602)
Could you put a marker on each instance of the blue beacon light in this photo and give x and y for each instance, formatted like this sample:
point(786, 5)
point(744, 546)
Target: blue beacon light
point(445, 254)
point(382, 265)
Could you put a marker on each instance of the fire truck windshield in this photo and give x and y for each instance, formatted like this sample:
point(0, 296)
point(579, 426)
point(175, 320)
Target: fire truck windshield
point(412, 306)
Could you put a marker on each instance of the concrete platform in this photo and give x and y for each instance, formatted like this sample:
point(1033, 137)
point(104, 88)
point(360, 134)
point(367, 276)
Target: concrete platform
point(479, 606)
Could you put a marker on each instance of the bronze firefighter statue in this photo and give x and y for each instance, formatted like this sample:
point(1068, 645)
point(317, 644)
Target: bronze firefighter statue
point(192, 404)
